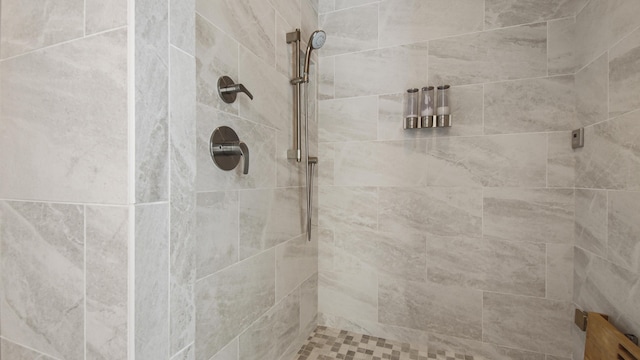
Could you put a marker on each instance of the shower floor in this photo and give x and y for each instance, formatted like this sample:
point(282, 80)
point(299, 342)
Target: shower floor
point(327, 344)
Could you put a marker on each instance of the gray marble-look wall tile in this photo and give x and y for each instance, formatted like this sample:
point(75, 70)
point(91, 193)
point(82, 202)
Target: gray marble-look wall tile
point(398, 255)
point(229, 352)
point(347, 207)
point(604, 287)
point(296, 261)
point(611, 158)
point(507, 267)
point(622, 19)
point(9, 350)
point(272, 102)
point(326, 153)
point(29, 26)
point(182, 135)
point(479, 349)
point(232, 299)
point(107, 239)
point(151, 101)
point(431, 307)
point(309, 15)
point(326, 71)
point(232, 17)
point(593, 26)
point(42, 257)
point(466, 104)
point(561, 160)
point(271, 335)
point(351, 30)
point(152, 281)
point(502, 13)
point(548, 323)
point(290, 12)
point(408, 61)
point(512, 53)
point(188, 353)
point(561, 46)
point(326, 249)
point(434, 211)
point(411, 21)
point(592, 92)
point(348, 119)
point(217, 55)
point(104, 15)
point(624, 75)
point(261, 142)
point(269, 217)
point(560, 272)
point(63, 98)
point(326, 6)
point(624, 229)
point(352, 295)
point(308, 303)
point(591, 220)
point(289, 172)
point(344, 4)
point(380, 163)
point(217, 233)
point(533, 105)
point(532, 215)
point(182, 24)
point(513, 160)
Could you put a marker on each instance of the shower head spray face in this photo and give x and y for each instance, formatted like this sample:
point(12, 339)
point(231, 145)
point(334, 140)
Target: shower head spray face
point(316, 41)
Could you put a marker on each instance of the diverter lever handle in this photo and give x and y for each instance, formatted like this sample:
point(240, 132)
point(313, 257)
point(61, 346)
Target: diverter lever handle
point(228, 89)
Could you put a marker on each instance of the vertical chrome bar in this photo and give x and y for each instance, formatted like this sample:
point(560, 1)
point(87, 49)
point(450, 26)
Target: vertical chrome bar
point(296, 152)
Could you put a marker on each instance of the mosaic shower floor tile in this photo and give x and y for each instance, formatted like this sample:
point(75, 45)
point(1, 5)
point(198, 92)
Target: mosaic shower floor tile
point(328, 344)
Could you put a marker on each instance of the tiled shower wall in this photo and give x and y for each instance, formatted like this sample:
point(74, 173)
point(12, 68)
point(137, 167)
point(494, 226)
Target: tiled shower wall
point(97, 128)
point(463, 237)
point(256, 288)
point(607, 199)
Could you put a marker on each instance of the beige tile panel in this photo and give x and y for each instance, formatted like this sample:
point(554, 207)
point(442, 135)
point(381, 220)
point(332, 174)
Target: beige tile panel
point(42, 297)
point(269, 217)
point(431, 307)
point(431, 211)
point(232, 17)
point(503, 13)
point(591, 220)
point(351, 30)
point(611, 156)
point(533, 105)
point(531, 215)
point(511, 160)
point(411, 21)
point(409, 64)
point(492, 265)
point(296, 261)
point(561, 160)
point(230, 300)
point(624, 75)
point(527, 323)
point(398, 255)
point(562, 49)
point(348, 119)
point(624, 229)
point(592, 92)
point(351, 295)
point(348, 207)
point(505, 54)
point(63, 99)
point(560, 272)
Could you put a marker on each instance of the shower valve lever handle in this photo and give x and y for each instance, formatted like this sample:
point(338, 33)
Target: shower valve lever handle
point(228, 89)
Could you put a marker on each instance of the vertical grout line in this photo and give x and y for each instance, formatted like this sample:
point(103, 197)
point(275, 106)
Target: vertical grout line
point(85, 281)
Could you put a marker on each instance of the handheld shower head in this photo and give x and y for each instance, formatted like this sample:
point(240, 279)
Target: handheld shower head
point(316, 41)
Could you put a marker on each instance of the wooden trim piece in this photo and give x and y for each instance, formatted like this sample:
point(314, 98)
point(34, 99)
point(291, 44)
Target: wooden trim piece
point(605, 342)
